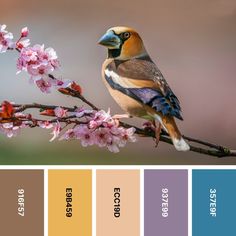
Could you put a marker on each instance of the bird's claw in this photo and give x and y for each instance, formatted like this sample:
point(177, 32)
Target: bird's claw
point(157, 133)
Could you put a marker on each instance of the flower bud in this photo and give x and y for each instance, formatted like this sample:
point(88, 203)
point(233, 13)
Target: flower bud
point(24, 32)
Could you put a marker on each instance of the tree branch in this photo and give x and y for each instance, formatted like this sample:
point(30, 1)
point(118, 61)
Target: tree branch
point(21, 108)
point(207, 149)
point(197, 145)
point(74, 93)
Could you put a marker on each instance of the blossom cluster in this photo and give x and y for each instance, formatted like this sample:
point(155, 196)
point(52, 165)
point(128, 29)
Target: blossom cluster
point(98, 128)
point(39, 62)
point(6, 39)
point(90, 127)
point(9, 129)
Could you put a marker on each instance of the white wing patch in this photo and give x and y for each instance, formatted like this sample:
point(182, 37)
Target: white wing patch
point(122, 81)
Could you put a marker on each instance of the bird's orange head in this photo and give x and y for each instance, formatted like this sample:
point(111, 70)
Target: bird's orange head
point(123, 43)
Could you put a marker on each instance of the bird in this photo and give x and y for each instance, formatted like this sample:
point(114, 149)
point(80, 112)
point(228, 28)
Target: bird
point(137, 85)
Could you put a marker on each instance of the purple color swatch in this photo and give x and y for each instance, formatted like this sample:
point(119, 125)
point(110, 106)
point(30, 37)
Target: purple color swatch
point(166, 202)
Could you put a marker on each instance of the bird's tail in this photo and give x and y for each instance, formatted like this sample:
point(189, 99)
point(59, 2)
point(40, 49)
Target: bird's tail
point(170, 126)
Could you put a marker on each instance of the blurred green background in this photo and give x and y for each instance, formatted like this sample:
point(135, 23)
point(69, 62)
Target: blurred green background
point(192, 42)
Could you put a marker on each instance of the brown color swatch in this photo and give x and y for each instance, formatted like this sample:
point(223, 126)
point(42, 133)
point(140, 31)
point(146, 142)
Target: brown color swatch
point(29, 220)
point(118, 202)
point(70, 202)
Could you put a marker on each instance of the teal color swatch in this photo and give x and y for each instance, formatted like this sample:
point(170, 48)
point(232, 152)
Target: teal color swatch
point(214, 202)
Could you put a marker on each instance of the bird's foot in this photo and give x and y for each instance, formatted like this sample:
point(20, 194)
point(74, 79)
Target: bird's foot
point(149, 126)
point(157, 133)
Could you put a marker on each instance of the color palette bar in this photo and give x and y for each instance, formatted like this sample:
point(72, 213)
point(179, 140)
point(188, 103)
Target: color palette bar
point(22, 202)
point(121, 195)
point(118, 202)
point(165, 202)
point(70, 202)
point(214, 207)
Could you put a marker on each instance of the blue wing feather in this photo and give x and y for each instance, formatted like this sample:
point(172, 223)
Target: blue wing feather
point(167, 105)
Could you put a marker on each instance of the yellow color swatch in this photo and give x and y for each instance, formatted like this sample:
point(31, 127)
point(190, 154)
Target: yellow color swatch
point(70, 202)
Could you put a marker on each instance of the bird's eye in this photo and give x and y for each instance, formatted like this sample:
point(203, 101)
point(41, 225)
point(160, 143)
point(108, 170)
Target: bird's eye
point(125, 35)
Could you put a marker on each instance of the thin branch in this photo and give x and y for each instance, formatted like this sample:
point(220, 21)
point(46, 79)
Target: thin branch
point(21, 108)
point(76, 94)
point(197, 145)
point(208, 149)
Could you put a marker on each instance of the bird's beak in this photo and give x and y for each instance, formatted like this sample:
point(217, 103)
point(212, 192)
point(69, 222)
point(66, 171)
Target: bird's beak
point(110, 40)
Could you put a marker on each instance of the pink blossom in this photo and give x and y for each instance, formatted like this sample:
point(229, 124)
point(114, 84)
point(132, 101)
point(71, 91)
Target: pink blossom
point(103, 131)
point(20, 115)
point(93, 124)
point(80, 112)
point(45, 124)
point(99, 118)
point(57, 83)
point(56, 131)
point(23, 44)
point(24, 32)
point(129, 135)
point(6, 39)
point(39, 71)
point(28, 57)
point(112, 147)
point(38, 62)
point(44, 86)
point(117, 136)
point(9, 129)
point(60, 112)
point(85, 135)
point(126, 135)
point(102, 137)
point(69, 134)
point(102, 116)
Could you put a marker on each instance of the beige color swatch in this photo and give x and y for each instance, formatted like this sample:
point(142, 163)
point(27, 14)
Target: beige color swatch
point(62, 220)
point(111, 186)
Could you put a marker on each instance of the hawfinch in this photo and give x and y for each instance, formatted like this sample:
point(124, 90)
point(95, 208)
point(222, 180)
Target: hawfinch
point(137, 85)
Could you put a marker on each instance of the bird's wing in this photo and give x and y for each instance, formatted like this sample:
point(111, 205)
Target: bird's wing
point(143, 81)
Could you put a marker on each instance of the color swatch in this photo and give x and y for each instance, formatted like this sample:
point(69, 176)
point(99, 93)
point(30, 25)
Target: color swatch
point(165, 202)
point(214, 207)
point(118, 202)
point(70, 202)
point(22, 202)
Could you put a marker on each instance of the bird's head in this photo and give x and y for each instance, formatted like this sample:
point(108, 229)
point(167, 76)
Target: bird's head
point(123, 43)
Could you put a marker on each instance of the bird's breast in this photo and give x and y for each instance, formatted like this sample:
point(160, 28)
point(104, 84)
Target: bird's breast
point(127, 103)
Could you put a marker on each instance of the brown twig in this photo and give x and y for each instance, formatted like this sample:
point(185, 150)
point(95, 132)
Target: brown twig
point(21, 108)
point(76, 94)
point(196, 145)
point(207, 149)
